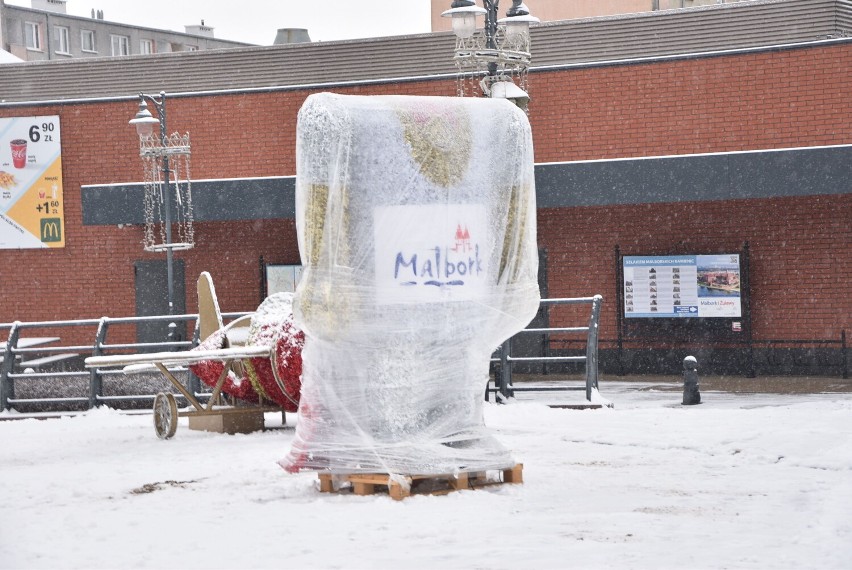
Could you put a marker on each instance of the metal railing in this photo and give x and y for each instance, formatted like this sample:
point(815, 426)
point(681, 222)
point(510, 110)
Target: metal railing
point(12, 366)
point(13, 357)
point(504, 387)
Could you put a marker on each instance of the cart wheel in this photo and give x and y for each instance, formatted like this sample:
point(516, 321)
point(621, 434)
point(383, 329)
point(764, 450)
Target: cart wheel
point(165, 415)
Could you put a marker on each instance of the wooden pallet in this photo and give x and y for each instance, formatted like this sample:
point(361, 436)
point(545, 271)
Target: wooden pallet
point(372, 483)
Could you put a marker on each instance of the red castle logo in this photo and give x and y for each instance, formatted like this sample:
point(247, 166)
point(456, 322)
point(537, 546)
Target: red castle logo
point(462, 240)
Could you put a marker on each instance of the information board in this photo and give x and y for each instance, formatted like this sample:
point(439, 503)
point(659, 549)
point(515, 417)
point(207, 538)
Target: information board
point(31, 203)
point(282, 278)
point(682, 286)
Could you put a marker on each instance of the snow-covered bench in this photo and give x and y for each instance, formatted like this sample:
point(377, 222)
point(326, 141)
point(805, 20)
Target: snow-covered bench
point(37, 363)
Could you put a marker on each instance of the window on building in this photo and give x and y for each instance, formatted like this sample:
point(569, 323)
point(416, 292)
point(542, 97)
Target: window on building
point(282, 278)
point(190, 48)
point(33, 33)
point(63, 45)
point(120, 45)
point(87, 41)
point(146, 46)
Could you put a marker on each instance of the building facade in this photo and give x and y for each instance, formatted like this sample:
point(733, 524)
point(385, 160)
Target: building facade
point(554, 10)
point(727, 151)
point(45, 32)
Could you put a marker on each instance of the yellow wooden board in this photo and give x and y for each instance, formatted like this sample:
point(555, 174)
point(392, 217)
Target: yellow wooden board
point(209, 315)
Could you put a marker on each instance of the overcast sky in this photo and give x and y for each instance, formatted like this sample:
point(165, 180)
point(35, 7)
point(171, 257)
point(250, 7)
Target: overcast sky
point(256, 21)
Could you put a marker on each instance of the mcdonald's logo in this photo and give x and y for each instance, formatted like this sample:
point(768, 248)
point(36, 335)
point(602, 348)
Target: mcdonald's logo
point(51, 230)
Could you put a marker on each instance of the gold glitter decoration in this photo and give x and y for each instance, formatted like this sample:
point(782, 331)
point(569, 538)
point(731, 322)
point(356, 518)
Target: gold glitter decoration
point(440, 142)
point(326, 307)
point(255, 381)
point(315, 211)
point(515, 231)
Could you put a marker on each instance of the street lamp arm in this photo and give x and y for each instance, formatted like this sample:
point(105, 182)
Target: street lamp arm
point(159, 102)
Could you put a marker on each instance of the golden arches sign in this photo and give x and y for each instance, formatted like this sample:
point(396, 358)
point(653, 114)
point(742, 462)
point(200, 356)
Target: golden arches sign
point(31, 200)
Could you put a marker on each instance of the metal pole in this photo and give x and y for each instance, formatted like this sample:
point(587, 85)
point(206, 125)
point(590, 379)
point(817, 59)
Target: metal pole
point(160, 104)
point(7, 385)
point(96, 382)
point(491, 31)
point(745, 292)
point(619, 309)
point(592, 348)
point(691, 391)
point(505, 372)
point(167, 197)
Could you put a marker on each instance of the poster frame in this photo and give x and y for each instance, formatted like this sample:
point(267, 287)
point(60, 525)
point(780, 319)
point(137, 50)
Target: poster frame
point(266, 269)
point(685, 329)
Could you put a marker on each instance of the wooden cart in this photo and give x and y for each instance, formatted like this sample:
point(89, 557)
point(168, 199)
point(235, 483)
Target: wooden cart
point(210, 417)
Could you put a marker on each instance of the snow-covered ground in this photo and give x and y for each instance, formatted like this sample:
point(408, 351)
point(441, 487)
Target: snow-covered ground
point(740, 481)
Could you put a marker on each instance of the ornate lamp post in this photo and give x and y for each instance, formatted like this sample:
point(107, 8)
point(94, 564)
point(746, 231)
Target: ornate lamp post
point(167, 184)
point(500, 53)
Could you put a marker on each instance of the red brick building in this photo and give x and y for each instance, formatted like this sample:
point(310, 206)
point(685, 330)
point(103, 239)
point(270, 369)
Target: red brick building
point(744, 139)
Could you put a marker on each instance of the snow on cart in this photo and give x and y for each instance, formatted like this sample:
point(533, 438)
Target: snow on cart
point(255, 360)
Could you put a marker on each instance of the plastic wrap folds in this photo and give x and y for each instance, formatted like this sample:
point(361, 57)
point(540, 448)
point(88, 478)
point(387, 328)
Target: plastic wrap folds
point(417, 232)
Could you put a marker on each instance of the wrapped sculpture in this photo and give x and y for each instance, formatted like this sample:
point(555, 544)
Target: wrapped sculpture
point(417, 232)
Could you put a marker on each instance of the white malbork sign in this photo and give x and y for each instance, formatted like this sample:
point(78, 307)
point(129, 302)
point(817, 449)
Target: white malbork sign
point(431, 253)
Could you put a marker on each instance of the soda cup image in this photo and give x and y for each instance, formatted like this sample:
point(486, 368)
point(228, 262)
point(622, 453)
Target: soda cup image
point(19, 152)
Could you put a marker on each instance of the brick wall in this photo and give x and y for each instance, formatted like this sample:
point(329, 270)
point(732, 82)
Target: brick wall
point(799, 255)
point(787, 98)
point(776, 99)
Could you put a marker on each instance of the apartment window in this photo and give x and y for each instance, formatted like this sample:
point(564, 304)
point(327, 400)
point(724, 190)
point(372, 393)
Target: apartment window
point(146, 46)
point(33, 33)
point(87, 41)
point(62, 43)
point(120, 45)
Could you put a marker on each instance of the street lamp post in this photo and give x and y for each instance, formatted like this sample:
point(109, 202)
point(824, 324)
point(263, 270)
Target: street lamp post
point(500, 53)
point(156, 153)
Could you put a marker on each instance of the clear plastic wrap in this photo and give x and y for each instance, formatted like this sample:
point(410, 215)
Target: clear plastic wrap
point(417, 232)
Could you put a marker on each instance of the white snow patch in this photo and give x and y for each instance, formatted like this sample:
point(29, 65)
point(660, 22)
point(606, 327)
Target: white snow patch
point(743, 481)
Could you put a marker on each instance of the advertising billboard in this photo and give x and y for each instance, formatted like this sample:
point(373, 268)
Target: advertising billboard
point(31, 203)
point(677, 286)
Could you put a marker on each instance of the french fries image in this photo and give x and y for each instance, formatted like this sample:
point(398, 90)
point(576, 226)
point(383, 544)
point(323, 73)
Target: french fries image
point(6, 180)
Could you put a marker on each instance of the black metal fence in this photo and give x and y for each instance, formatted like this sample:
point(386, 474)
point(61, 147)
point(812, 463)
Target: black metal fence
point(28, 356)
point(503, 385)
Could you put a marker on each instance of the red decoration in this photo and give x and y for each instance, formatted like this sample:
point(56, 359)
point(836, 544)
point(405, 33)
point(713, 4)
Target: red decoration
point(210, 370)
point(277, 379)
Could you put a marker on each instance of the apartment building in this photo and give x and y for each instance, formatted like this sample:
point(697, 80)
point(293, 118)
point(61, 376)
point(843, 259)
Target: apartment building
point(46, 32)
point(553, 10)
